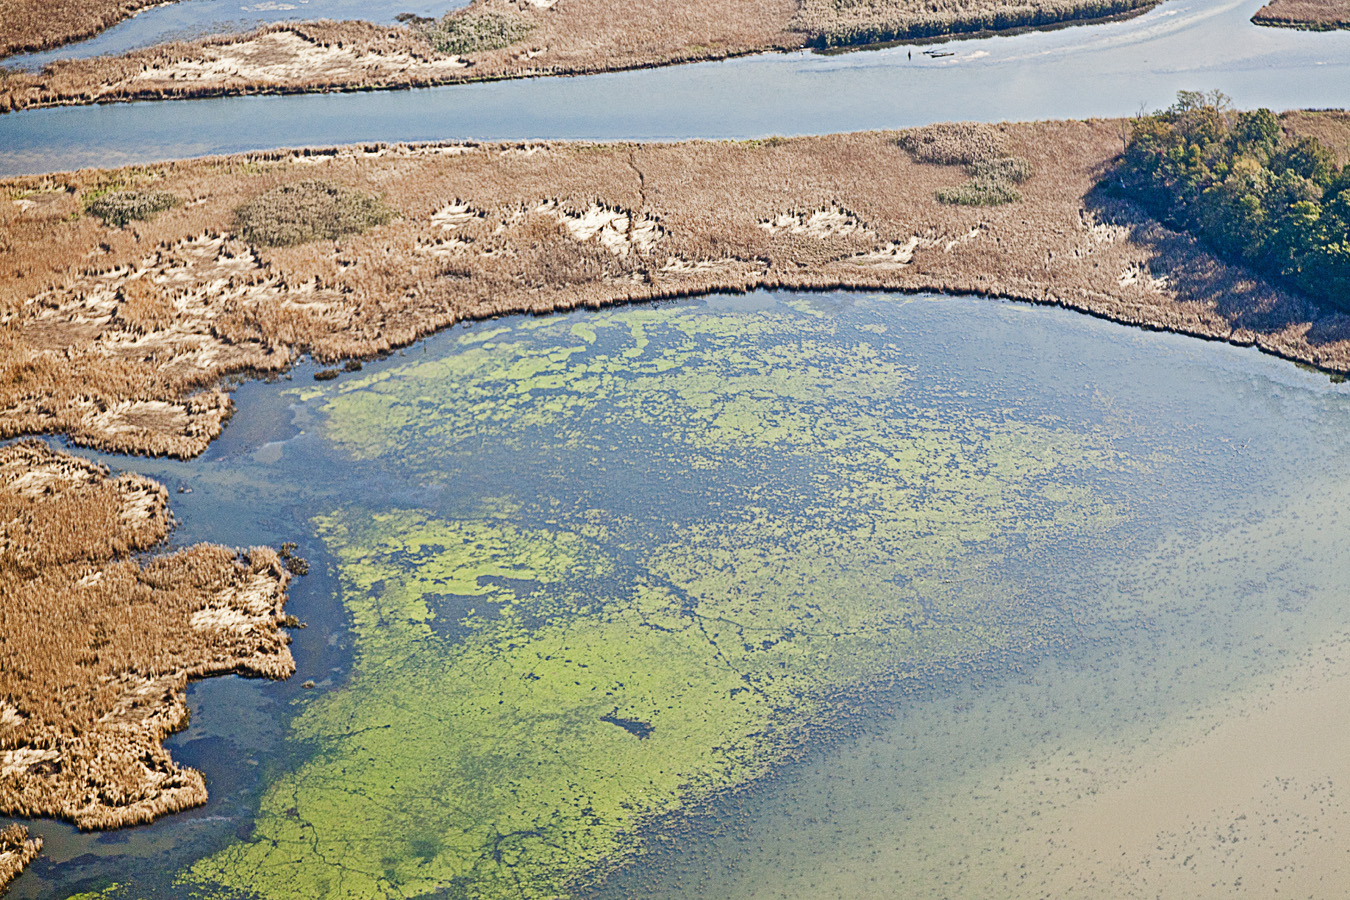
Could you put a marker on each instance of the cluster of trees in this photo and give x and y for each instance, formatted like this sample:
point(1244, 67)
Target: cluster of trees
point(1278, 203)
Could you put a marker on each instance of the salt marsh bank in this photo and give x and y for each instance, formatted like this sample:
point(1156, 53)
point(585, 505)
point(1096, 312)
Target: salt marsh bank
point(1115, 69)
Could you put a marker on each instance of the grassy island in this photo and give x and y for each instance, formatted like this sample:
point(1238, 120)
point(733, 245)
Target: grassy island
point(496, 39)
point(1312, 15)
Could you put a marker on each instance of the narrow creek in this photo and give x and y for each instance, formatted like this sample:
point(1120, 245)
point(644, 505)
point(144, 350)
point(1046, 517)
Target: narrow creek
point(815, 595)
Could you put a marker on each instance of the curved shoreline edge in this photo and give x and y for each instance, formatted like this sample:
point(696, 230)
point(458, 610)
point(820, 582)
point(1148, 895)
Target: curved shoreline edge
point(63, 22)
point(122, 338)
point(1304, 15)
point(572, 39)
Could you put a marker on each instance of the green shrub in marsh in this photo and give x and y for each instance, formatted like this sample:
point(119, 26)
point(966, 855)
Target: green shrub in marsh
point(977, 146)
point(119, 208)
point(307, 211)
point(953, 143)
point(1255, 194)
point(463, 33)
point(1010, 169)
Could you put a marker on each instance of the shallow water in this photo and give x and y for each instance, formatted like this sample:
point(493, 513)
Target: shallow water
point(597, 569)
point(1098, 70)
point(190, 19)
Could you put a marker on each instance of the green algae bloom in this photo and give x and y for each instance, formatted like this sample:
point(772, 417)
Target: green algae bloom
point(679, 543)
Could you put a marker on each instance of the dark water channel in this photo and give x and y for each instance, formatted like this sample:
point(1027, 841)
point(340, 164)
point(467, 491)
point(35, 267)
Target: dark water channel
point(828, 595)
point(1100, 70)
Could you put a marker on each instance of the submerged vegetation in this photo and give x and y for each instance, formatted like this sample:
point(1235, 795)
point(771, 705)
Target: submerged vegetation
point(308, 211)
point(1274, 201)
point(540, 675)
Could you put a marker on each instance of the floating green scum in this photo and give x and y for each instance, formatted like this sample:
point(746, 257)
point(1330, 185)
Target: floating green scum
point(627, 561)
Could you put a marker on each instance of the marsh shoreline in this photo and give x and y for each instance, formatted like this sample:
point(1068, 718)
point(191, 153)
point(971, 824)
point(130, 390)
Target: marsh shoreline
point(354, 56)
point(131, 353)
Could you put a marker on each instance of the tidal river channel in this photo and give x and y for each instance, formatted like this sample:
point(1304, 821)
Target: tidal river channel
point(805, 596)
point(1112, 69)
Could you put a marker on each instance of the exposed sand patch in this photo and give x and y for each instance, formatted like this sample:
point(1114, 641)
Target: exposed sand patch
point(1248, 802)
point(891, 256)
point(618, 231)
point(284, 57)
point(835, 222)
point(728, 266)
point(454, 217)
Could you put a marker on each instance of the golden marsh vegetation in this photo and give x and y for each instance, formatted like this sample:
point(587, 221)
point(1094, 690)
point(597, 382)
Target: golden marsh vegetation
point(495, 39)
point(120, 337)
point(1314, 15)
point(99, 645)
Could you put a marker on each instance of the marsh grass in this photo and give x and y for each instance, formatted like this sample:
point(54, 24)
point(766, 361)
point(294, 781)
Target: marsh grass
point(120, 208)
point(842, 23)
point(994, 176)
point(99, 645)
point(572, 37)
point(474, 31)
point(1312, 15)
point(17, 850)
point(41, 24)
point(122, 340)
point(308, 211)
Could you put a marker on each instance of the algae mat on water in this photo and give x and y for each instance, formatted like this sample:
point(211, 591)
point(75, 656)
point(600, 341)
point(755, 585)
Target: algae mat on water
point(608, 565)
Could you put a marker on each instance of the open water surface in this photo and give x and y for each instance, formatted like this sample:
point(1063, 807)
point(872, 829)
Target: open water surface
point(1111, 69)
point(190, 19)
point(585, 586)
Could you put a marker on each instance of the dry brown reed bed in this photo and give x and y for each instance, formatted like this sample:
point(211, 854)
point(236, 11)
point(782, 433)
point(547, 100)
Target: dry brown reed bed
point(1314, 15)
point(1330, 127)
point(562, 37)
point(41, 24)
point(17, 850)
point(841, 23)
point(120, 337)
point(557, 37)
point(98, 648)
